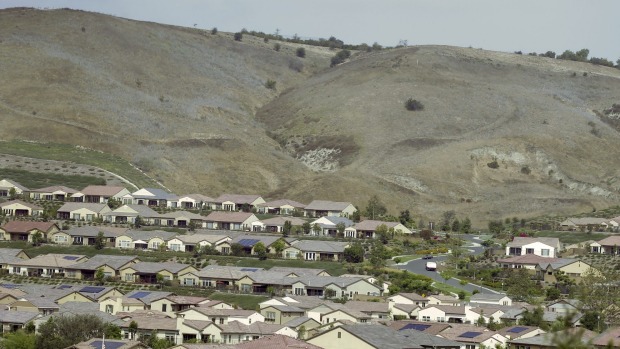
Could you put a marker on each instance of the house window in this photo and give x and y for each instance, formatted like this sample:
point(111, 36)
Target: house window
point(206, 283)
point(188, 282)
point(60, 238)
point(270, 316)
point(299, 291)
point(128, 277)
point(17, 270)
point(221, 321)
point(124, 243)
point(310, 256)
point(109, 308)
point(175, 247)
point(441, 319)
point(170, 338)
point(164, 307)
point(154, 245)
point(426, 318)
point(90, 217)
point(544, 252)
point(76, 216)
point(339, 334)
point(529, 251)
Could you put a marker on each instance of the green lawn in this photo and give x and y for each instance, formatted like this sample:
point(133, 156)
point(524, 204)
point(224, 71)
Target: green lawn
point(65, 152)
point(244, 301)
point(40, 180)
point(334, 268)
point(445, 288)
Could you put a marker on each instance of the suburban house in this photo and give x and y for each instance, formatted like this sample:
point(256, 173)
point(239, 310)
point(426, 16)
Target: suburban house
point(409, 298)
point(280, 314)
point(441, 299)
point(544, 247)
point(366, 229)
point(546, 340)
point(236, 332)
point(443, 313)
point(9, 256)
point(280, 207)
point(564, 306)
point(190, 201)
point(491, 299)
point(53, 193)
point(585, 224)
point(109, 264)
point(46, 265)
point(142, 239)
point(230, 220)
point(248, 242)
point(329, 225)
point(146, 272)
point(19, 208)
point(148, 197)
point(315, 250)
point(194, 242)
point(575, 269)
point(609, 245)
point(223, 277)
point(87, 234)
point(128, 214)
point(100, 343)
point(81, 211)
point(474, 337)
point(236, 202)
point(6, 185)
point(339, 287)
point(182, 219)
point(11, 321)
point(276, 224)
point(100, 194)
point(24, 230)
point(321, 208)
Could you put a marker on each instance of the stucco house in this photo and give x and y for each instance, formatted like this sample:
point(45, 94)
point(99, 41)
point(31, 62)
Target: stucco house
point(236, 202)
point(276, 224)
point(87, 235)
point(491, 299)
point(190, 201)
point(19, 208)
point(542, 246)
point(53, 193)
point(24, 230)
point(443, 313)
point(609, 245)
point(100, 194)
point(329, 225)
point(315, 250)
point(230, 220)
point(82, 211)
point(585, 224)
point(7, 184)
point(280, 207)
point(128, 214)
point(193, 242)
point(148, 197)
point(320, 208)
point(182, 219)
point(146, 272)
point(46, 265)
point(109, 264)
point(367, 229)
point(143, 239)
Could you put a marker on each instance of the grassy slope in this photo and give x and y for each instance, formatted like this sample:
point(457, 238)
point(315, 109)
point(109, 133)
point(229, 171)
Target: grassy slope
point(39, 180)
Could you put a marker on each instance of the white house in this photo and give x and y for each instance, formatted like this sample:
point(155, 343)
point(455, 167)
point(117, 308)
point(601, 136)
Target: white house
point(320, 208)
point(491, 298)
point(542, 246)
point(367, 229)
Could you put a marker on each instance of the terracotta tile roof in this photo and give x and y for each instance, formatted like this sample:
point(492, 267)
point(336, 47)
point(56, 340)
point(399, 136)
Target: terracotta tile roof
point(26, 226)
point(610, 241)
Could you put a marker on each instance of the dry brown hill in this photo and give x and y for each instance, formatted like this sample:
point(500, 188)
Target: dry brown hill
point(191, 109)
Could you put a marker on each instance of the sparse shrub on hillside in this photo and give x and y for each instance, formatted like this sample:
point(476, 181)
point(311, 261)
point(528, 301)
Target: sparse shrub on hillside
point(413, 105)
point(214, 31)
point(238, 36)
point(493, 164)
point(340, 57)
point(295, 64)
point(601, 61)
point(270, 84)
point(265, 39)
point(580, 56)
point(519, 52)
point(276, 47)
point(376, 47)
point(526, 170)
point(300, 52)
point(548, 54)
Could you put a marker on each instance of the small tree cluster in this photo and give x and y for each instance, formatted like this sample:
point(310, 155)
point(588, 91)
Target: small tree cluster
point(270, 84)
point(301, 52)
point(238, 36)
point(340, 57)
point(413, 105)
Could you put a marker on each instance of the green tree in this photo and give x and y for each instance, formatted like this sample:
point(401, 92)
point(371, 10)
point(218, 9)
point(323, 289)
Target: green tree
point(286, 229)
point(306, 228)
point(37, 238)
point(276, 46)
point(159, 278)
point(18, 340)
point(260, 250)
point(191, 226)
point(270, 84)
point(301, 332)
point(316, 228)
point(375, 208)
point(446, 220)
point(100, 241)
point(112, 331)
point(456, 225)
point(405, 218)
point(237, 249)
point(598, 292)
point(133, 329)
point(377, 254)
point(340, 57)
point(356, 215)
point(354, 253)
point(238, 36)
point(137, 223)
point(382, 234)
point(340, 227)
point(552, 294)
point(114, 203)
point(520, 286)
point(99, 276)
point(582, 55)
point(214, 31)
point(279, 246)
point(300, 52)
point(64, 331)
point(466, 226)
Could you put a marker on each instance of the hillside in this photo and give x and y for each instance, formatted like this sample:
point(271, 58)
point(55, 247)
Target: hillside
point(501, 135)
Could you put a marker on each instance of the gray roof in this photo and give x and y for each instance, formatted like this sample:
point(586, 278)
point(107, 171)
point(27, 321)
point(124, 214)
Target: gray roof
point(78, 308)
point(237, 198)
point(427, 339)
point(324, 205)
point(489, 297)
point(17, 317)
point(158, 194)
point(93, 231)
point(183, 214)
point(298, 321)
point(522, 241)
point(196, 238)
point(286, 308)
point(155, 267)
point(98, 261)
point(380, 337)
point(72, 206)
point(227, 272)
point(54, 188)
point(321, 246)
point(322, 281)
point(9, 255)
point(282, 202)
point(298, 271)
point(146, 235)
point(335, 220)
point(140, 210)
point(147, 296)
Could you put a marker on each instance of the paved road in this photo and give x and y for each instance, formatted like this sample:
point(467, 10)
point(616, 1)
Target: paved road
point(418, 266)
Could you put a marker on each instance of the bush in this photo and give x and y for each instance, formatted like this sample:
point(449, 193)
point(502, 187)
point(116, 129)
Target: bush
point(340, 57)
point(493, 164)
point(214, 31)
point(276, 47)
point(270, 84)
point(526, 170)
point(238, 36)
point(301, 52)
point(414, 105)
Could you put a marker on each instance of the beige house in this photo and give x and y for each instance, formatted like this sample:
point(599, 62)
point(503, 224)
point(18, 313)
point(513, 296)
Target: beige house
point(53, 193)
point(24, 230)
point(367, 229)
point(109, 264)
point(281, 207)
point(128, 214)
point(146, 272)
point(230, 220)
point(46, 265)
point(609, 245)
point(194, 242)
point(316, 250)
point(100, 194)
point(81, 211)
point(236, 202)
point(276, 224)
point(280, 314)
point(574, 269)
point(142, 239)
point(191, 201)
point(19, 208)
point(6, 185)
point(320, 208)
point(60, 238)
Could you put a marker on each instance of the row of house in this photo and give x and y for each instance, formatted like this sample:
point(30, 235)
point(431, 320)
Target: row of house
point(589, 224)
point(161, 198)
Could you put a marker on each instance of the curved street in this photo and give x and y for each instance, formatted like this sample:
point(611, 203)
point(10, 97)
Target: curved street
point(418, 266)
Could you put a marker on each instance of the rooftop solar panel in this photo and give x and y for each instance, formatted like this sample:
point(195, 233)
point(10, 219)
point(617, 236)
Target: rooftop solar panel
point(71, 258)
point(92, 289)
point(63, 287)
point(108, 344)
point(248, 242)
point(11, 286)
point(141, 294)
point(470, 334)
point(249, 269)
point(517, 329)
point(417, 327)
